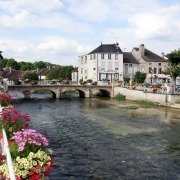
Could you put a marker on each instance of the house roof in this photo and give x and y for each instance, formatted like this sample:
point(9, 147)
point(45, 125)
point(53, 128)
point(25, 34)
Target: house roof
point(75, 69)
point(149, 56)
point(45, 71)
point(107, 48)
point(12, 74)
point(129, 58)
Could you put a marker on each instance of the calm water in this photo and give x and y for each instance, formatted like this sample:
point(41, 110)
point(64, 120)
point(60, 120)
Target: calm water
point(100, 139)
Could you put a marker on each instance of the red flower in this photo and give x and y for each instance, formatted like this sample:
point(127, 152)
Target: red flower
point(35, 177)
point(18, 178)
point(47, 170)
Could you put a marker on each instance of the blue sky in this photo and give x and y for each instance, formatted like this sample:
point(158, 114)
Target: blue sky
point(58, 31)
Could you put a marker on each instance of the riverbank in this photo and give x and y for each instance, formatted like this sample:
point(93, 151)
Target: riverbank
point(168, 100)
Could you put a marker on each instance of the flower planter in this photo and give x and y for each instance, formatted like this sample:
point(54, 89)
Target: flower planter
point(30, 159)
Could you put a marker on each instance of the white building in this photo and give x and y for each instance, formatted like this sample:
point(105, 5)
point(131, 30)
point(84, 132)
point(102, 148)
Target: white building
point(108, 62)
point(103, 63)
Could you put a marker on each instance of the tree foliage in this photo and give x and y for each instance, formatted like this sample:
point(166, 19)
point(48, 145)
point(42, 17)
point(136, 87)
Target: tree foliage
point(40, 65)
point(31, 76)
point(62, 72)
point(140, 77)
point(173, 68)
point(11, 63)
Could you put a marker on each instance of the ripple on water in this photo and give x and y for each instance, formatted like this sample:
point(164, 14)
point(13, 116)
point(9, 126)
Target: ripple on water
point(93, 139)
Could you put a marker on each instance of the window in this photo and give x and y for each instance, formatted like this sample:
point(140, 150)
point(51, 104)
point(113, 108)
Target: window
point(159, 64)
point(85, 71)
point(109, 56)
point(116, 66)
point(110, 66)
point(102, 65)
point(150, 70)
point(130, 70)
point(102, 56)
point(155, 71)
point(94, 56)
point(102, 76)
point(160, 71)
point(150, 64)
point(81, 59)
point(81, 70)
point(126, 68)
point(116, 56)
point(91, 57)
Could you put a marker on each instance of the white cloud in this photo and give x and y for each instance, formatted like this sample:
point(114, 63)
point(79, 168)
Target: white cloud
point(59, 31)
point(94, 10)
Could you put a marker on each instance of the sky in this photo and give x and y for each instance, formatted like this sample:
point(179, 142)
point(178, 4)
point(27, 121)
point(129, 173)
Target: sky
point(58, 31)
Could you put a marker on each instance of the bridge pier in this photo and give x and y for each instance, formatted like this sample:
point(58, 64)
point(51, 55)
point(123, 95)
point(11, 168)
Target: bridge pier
point(88, 93)
point(58, 94)
point(27, 94)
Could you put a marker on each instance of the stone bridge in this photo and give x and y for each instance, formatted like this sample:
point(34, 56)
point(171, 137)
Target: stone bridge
point(86, 91)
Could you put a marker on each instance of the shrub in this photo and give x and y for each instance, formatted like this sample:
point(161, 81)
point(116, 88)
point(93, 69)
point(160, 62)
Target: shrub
point(120, 97)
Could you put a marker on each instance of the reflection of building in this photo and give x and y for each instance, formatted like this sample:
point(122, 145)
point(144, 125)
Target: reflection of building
point(150, 63)
point(103, 63)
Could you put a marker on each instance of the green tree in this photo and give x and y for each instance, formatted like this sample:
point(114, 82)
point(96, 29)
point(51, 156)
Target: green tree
point(140, 77)
point(4, 62)
point(24, 66)
point(40, 65)
point(62, 72)
point(11, 63)
point(31, 76)
point(173, 68)
point(54, 74)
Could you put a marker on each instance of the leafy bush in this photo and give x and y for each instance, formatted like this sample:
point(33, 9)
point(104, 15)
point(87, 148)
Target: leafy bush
point(31, 76)
point(120, 97)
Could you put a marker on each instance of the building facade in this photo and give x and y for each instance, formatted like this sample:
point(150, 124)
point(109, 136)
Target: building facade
point(105, 63)
point(151, 64)
point(108, 62)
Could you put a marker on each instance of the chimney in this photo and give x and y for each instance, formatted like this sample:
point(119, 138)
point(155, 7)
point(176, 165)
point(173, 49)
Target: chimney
point(141, 49)
point(162, 55)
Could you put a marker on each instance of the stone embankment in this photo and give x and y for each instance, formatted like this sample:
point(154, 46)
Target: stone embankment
point(164, 99)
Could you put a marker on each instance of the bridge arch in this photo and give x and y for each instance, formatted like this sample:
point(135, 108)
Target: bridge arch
point(54, 94)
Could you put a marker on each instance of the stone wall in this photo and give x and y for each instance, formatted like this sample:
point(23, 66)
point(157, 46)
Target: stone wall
point(160, 98)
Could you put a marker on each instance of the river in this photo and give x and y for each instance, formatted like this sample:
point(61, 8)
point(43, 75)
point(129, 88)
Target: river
point(103, 139)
